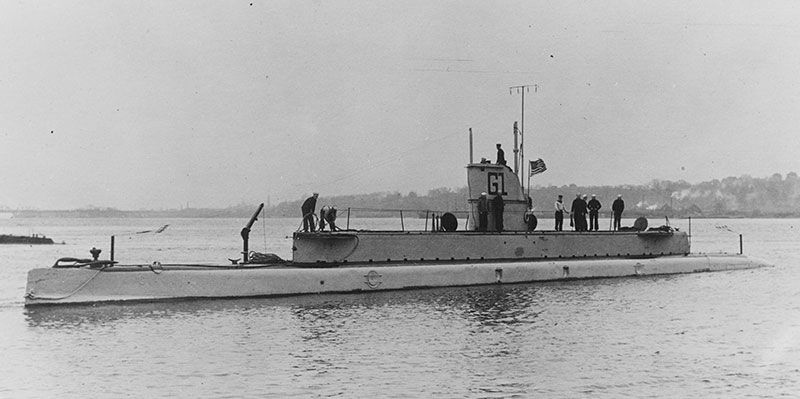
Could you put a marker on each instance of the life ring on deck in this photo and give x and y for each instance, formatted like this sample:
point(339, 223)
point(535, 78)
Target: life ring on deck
point(640, 224)
point(449, 222)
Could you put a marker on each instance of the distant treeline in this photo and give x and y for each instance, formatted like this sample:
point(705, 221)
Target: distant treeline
point(744, 196)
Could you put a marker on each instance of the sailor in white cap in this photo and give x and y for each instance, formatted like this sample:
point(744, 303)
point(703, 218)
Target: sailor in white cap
point(559, 215)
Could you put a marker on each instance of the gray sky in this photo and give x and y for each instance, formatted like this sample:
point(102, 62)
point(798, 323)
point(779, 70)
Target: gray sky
point(153, 104)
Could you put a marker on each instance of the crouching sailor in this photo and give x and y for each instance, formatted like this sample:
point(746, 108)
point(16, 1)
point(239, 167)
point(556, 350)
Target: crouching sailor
point(327, 215)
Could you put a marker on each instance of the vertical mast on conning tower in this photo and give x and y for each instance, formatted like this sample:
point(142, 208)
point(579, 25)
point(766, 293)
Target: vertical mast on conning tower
point(522, 89)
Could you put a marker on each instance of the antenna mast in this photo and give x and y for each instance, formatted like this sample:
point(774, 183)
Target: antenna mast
point(522, 89)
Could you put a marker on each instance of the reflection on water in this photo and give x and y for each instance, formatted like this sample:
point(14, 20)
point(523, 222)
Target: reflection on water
point(499, 305)
point(67, 317)
point(488, 305)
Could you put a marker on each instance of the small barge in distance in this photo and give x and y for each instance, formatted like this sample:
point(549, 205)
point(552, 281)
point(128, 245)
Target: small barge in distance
point(346, 261)
point(33, 239)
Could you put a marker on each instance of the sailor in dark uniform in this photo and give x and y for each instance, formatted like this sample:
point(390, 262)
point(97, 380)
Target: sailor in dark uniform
point(497, 209)
point(618, 206)
point(483, 212)
point(501, 155)
point(307, 209)
point(578, 213)
point(594, 213)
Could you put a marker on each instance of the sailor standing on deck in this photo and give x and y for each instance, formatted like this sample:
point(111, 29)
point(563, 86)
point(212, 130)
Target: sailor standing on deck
point(530, 216)
point(497, 208)
point(618, 206)
point(307, 210)
point(483, 212)
point(578, 212)
point(594, 213)
point(560, 209)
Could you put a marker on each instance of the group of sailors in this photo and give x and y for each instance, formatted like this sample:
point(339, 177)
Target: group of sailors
point(327, 214)
point(497, 208)
point(579, 210)
point(577, 213)
point(581, 207)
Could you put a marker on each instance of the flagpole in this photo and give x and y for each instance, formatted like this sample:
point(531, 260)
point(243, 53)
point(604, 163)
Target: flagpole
point(529, 179)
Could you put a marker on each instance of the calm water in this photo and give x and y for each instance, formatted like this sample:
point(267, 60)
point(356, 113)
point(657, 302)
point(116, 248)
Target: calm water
point(728, 334)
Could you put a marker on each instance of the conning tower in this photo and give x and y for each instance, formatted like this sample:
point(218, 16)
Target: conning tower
point(494, 180)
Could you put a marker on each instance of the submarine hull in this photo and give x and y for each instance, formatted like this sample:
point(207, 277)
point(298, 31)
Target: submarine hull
point(53, 286)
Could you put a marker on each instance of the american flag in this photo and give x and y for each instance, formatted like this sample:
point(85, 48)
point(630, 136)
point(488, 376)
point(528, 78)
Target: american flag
point(538, 166)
